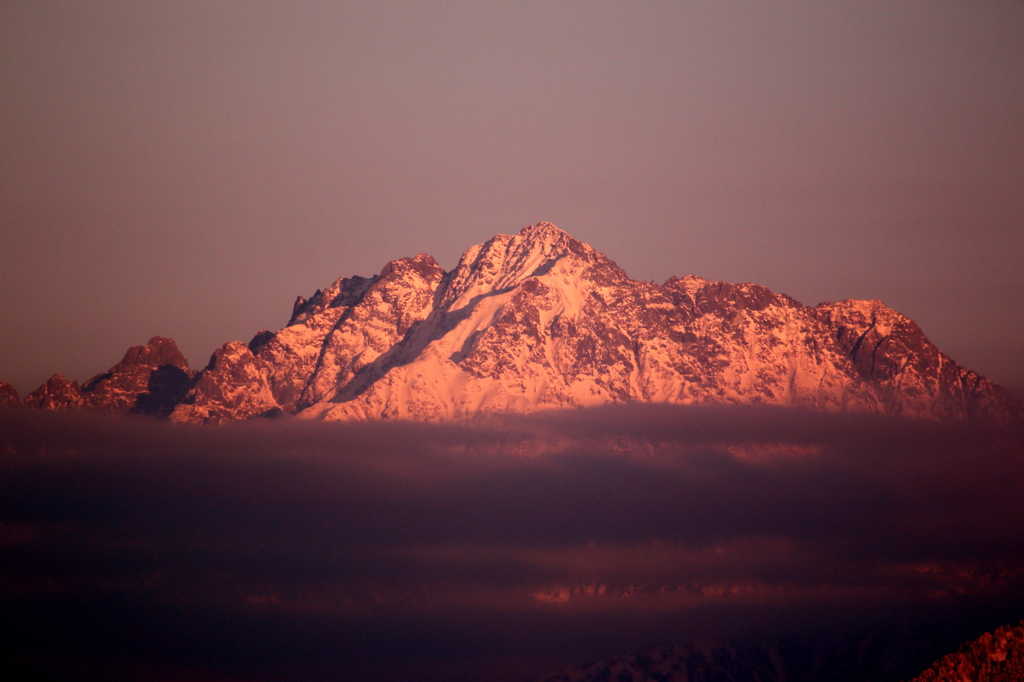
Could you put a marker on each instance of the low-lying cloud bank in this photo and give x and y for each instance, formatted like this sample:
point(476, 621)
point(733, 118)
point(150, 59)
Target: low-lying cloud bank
point(296, 550)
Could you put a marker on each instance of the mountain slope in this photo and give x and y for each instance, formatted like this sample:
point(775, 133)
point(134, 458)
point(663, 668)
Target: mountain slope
point(150, 379)
point(540, 320)
point(8, 395)
point(994, 657)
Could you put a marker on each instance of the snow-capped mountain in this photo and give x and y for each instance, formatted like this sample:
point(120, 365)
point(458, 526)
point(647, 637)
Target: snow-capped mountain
point(540, 320)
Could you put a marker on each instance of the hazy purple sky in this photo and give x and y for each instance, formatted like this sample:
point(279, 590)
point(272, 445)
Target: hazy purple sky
point(186, 169)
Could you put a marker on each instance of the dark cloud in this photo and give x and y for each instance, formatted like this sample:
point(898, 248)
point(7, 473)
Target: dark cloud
point(292, 550)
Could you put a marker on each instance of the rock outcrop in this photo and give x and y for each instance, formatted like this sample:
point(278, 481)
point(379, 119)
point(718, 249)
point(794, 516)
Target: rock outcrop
point(150, 379)
point(994, 657)
point(540, 320)
point(8, 395)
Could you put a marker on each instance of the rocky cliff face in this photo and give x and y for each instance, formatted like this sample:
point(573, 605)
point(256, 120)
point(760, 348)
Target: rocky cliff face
point(8, 395)
point(539, 320)
point(150, 379)
point(994, 657)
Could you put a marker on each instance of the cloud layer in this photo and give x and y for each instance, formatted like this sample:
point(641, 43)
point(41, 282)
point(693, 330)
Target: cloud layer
point(296, 550)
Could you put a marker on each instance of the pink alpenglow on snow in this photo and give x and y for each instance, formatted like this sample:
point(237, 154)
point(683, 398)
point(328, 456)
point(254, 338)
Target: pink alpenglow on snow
point(538, 321)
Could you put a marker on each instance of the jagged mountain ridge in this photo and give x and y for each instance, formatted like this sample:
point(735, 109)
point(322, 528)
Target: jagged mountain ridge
point(150, 379)
point(540, 320)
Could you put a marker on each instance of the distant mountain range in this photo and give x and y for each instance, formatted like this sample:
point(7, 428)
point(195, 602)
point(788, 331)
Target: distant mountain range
point(535, 321)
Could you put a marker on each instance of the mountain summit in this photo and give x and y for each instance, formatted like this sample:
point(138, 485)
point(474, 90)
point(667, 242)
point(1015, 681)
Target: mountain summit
point(540, 320)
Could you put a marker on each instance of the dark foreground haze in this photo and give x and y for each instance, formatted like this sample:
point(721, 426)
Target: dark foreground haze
point(293, 550)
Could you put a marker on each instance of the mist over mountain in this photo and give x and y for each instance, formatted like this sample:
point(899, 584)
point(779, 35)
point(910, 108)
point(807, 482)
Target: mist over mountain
point(509, 469)
point(376, 550)
point(540, 320)
point(729, 425)
point(886, 654)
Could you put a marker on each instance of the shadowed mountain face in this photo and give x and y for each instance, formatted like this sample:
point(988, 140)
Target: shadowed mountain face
point(150, 379)
point(8, 394)
point(683, 505)
point(540, 320)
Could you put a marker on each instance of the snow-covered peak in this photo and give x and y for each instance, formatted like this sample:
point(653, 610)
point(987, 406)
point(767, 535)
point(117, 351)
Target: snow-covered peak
point(505, 261)
point(421, 263)
point(855, 313)
point(688, 284)
point(545, 232)
point(549, 240)
point(539, 320)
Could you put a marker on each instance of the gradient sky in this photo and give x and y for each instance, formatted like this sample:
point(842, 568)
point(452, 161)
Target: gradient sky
point(186, 169)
